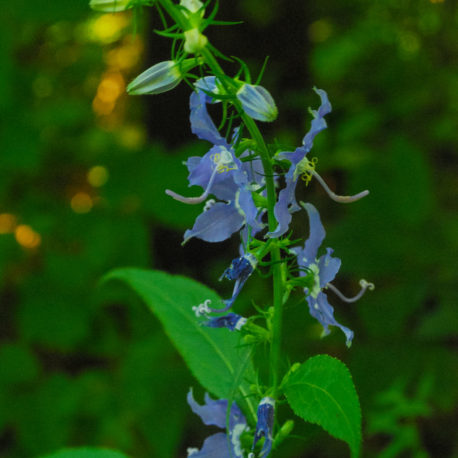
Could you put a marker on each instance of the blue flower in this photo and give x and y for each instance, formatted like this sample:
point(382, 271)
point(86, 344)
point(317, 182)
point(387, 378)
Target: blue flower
point(299, 165)
point(303, 167)
point(232, 321)
point(218, 445)
point(222, 174)
point(257, 102)
point(265, 425)
point(324, 269)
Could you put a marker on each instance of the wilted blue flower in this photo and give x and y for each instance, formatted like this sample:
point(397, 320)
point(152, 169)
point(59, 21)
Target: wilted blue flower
point(257, 102)
point(239, 270)
point(213, 412)
point(265, 425)
point(303, 167)
point(222, 174)
point(324, 269)
point(161, 77)
point(232, 321)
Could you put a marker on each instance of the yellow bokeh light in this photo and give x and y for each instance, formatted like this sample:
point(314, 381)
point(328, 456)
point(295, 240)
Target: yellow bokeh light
point(107, 28)
point(97, 176)
point(7, 223)
point(132, 137)
point(126, 56)
point(27, 237)
point(102, 108)
point(436, 1)
point(81, 202)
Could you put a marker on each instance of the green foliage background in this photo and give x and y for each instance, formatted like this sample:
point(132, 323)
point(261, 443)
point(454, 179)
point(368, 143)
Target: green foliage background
point(88, 365)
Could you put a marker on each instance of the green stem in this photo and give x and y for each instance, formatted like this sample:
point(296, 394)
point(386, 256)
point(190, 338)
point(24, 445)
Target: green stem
point(278, 276)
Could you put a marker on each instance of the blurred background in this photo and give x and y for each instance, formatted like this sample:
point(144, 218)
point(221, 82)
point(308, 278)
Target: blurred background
point(82, 176)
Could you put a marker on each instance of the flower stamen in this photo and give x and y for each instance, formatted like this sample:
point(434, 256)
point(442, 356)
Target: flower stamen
point(364, 287)
point(202, 309)
point(194, 200)
point(306, 169)
point(336, 197)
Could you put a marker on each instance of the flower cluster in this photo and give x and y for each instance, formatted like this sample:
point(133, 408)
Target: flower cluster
point(247, 189)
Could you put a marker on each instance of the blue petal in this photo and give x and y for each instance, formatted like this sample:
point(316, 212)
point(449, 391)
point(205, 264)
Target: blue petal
point(325, 107)
point(201, 123)
point(264, 425)
point(282, 209)
point(215, 446)
point(253, 169)
point(324, 313)
point(240, 268)
point(328, 267)
point(232, 321)
point(213, 412)
point(318, 123)
point(293, 157)
point(216, 224)
point(208, 84)
point(237, 425)
point(286, 203)
point(316, 237)
point(248, 208)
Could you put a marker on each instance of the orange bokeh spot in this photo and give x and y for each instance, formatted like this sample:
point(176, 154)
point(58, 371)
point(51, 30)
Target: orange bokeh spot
point(27, 237)
point(108, 91)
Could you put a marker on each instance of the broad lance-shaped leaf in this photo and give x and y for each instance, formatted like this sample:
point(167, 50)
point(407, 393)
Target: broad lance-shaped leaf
point(321, 391)
point(84, 452)
point(215, 356)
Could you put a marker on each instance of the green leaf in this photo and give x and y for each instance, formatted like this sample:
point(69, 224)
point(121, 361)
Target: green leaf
point(86, 453)
point(216, 357)
point(321, 391)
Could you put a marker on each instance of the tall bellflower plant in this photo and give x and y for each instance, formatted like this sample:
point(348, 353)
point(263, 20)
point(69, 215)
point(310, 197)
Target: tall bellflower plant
point(248, 191)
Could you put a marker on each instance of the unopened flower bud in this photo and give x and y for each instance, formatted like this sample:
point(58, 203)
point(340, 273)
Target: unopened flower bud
point(192, 5)
point(194, 41)
point(194, 12)
point(257, 102)
point(161, 77)
point(111, 6)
